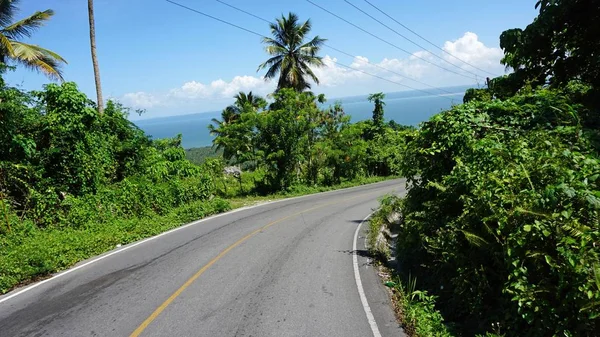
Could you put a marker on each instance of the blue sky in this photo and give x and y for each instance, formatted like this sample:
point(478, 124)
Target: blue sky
point(170, 61)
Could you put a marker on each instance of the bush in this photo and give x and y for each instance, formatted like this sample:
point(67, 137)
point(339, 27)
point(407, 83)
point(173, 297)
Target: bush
point(501, 221)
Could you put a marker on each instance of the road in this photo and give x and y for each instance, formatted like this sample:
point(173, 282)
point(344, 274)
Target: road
point(280, 269)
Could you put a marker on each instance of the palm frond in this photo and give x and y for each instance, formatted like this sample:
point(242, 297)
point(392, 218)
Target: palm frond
point(8, 8)
point(474, 239)
point(26, 27)
point(310, 73)
point(273, 70)
point(6, 48)
point(270, 62)
point(304, 28)
point(38, 58)
point(274, 45)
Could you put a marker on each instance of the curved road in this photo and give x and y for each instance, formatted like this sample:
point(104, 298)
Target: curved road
point(280, 269)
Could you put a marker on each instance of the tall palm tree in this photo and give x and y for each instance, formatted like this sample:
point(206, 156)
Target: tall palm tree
point(95, 57)
point(29, 55)
point(292, 58)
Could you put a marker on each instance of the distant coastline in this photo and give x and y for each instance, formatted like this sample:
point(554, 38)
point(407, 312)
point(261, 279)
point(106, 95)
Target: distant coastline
point(404, 107)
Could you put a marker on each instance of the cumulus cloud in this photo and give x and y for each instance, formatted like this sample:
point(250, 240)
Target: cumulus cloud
point(221, 89)
point(335, 79)
point(140, 100)
point(469, 49)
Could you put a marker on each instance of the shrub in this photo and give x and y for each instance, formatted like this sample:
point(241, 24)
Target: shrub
point(501, 221)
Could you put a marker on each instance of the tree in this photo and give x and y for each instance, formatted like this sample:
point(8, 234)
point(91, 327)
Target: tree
point(234, 133)
point(31, 56)
point(377, 98)
point(291, 58)
point(560, 45)
point(256, 102)
point(95, 57)
point(283, 135)
point(221, 131)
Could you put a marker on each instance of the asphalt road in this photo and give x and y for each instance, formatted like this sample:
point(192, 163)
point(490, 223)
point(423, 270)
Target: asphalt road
point(279, 269)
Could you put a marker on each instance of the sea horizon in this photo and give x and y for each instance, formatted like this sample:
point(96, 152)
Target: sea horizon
point(409, 107)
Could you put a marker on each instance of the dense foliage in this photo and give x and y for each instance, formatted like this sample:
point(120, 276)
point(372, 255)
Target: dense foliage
point(198, 155)
point(295, 142)
point(501, 221)
point(64, 167)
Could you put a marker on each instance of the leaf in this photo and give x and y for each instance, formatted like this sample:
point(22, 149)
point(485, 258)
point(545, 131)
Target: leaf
point(593, 201)
point(527, 228)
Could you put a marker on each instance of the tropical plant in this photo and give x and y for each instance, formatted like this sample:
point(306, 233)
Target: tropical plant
point(29, 55)
point(255, 102)
point(234, 131)
point(377, 99)
point(292, 58)
point(560, 44)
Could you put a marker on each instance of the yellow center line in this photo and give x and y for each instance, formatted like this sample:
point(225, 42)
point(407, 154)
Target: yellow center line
point(191, 280)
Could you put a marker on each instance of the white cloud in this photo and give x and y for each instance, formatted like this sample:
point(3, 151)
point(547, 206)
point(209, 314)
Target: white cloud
point(140, 100)
point(337, 80)
point(469, 49)
point(220, 89)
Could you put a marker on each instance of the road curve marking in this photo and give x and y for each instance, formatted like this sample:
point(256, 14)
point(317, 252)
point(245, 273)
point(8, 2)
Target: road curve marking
point(137, 332)
point(361, 290)
point(129, 246)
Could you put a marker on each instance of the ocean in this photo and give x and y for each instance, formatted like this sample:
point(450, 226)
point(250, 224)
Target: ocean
point(404, 107)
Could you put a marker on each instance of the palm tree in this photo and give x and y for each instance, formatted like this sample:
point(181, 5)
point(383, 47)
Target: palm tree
point(232, 133)
point(255, 102)
point(95, 57)
point(291, 57)
point(222, 132)
point(377, 98)
point(29, 55)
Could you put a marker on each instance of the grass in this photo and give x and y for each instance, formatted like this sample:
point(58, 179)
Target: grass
point(415, 309)
point(30, 253)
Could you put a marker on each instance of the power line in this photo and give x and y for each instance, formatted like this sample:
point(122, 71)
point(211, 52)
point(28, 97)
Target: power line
point(391, 71)
point(426, 40)
point(389, 43)
point(388, 80)
point(406, 38)
point(343, 65)
point(243, 11)
point(338, 50)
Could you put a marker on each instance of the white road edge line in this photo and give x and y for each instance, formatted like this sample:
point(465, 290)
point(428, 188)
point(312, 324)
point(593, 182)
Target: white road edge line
point(361, 290)
point(4, 298)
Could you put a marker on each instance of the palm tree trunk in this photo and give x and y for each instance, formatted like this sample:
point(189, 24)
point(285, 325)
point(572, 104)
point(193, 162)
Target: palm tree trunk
point(95, 57)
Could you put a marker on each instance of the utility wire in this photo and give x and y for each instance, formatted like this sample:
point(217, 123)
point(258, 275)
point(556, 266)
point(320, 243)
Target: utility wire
point(214, 18)
point(389, 43)
point(394, 82)
point(406, 38)
point(338, 50)
point(426, 40)
point(260, 35)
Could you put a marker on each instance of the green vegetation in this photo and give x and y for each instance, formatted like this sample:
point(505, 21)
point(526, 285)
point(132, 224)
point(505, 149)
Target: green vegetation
point(500, 228)
point(76, 181)
point(28, 55)
point(198, 155)
point(291, 57)
point(293, 142)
